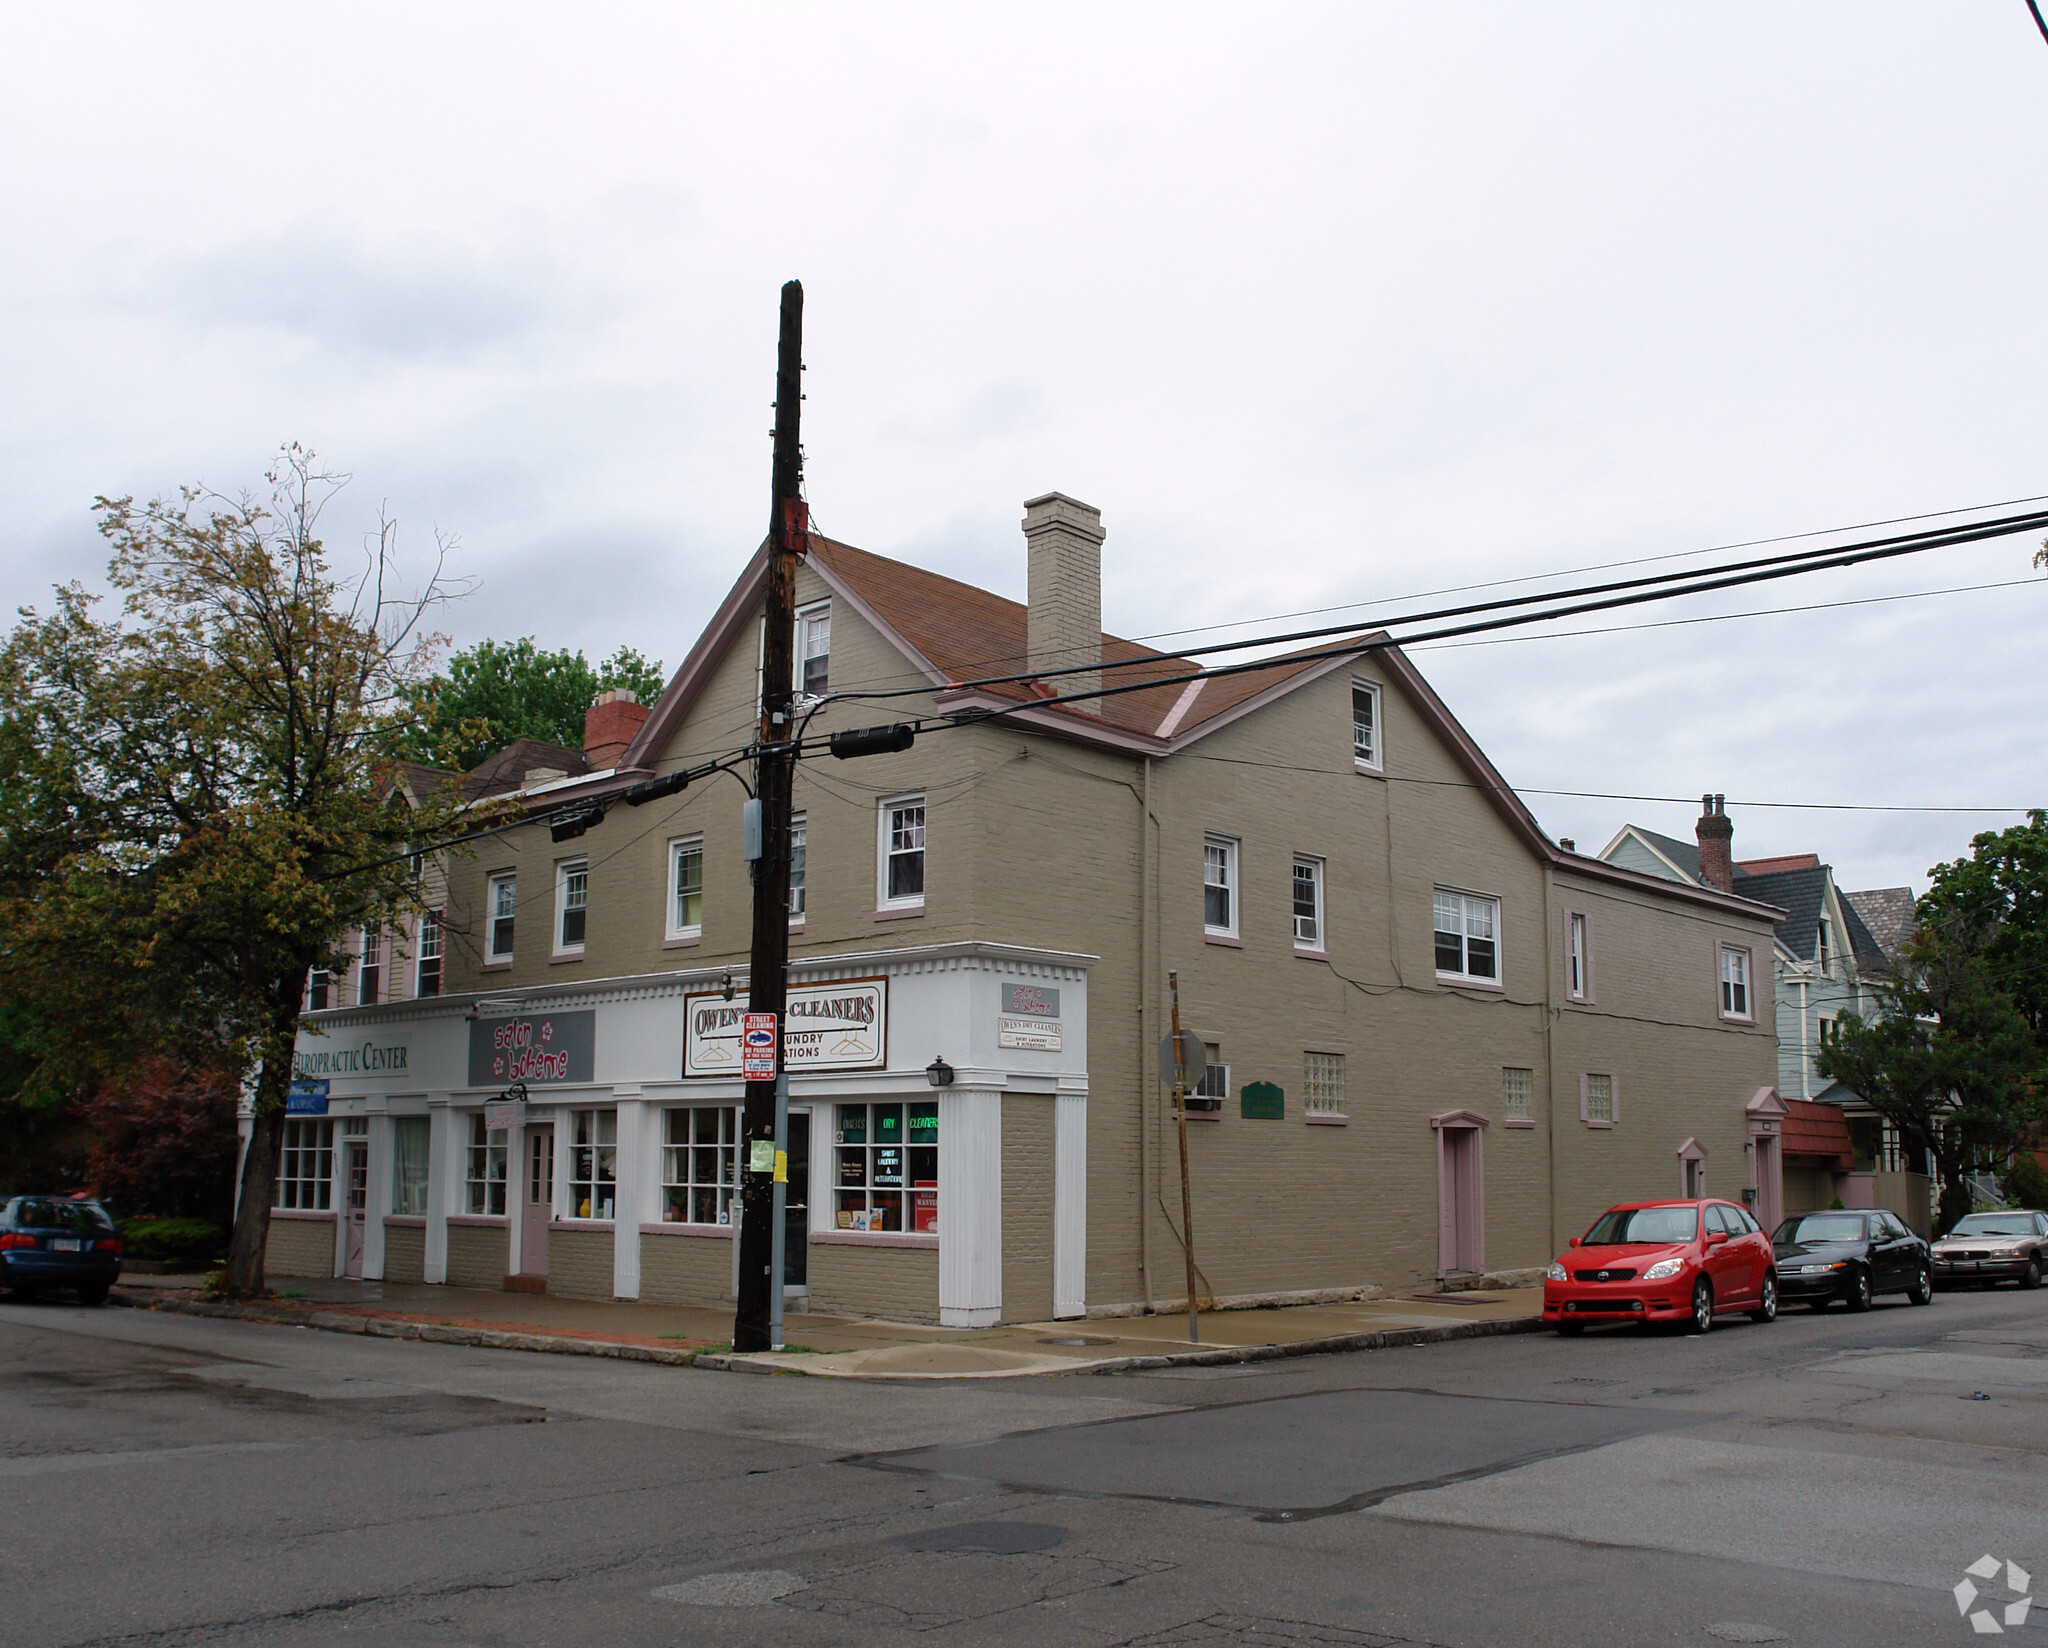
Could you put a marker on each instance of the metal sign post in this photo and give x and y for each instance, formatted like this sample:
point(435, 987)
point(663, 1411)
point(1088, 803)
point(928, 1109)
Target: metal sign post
point(778, 1256)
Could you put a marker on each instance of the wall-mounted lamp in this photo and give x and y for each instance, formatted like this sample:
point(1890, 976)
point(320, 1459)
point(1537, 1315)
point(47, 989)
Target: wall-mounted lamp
point(477, 1007)
point(725, 987)
point(939, 1073)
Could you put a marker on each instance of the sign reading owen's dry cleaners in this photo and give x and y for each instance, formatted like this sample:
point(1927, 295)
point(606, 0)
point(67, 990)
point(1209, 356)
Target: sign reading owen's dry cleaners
point(539, 1049)
point(837, 1026)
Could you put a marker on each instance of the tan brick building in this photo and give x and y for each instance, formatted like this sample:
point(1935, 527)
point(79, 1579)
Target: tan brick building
point(1439, 1042)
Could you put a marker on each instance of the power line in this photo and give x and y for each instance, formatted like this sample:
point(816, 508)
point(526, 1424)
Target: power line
point(2038, 22)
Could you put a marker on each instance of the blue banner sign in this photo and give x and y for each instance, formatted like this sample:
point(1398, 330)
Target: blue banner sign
point(306, 1098)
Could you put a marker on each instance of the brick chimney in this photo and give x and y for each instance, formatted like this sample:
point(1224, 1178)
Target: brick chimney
point(609, 726)
point(1716, 833)
point(1063, 540)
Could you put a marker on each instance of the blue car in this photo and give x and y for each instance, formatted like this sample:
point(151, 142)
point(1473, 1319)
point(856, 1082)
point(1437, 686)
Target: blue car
point(56, 1242)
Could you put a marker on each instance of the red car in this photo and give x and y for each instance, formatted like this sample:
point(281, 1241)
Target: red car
point(1663, 1262)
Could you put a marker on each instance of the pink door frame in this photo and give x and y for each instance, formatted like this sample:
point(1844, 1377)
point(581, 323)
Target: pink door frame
point(1766, 1115)
point(1460, 1191)
point(355, 1204)
point(536, 1197)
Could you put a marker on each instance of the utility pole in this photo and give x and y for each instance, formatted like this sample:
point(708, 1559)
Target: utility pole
point(1180, 1116)
point(763, 1138)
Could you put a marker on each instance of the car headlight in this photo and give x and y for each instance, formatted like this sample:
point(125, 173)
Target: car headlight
point(1556, 1273)
point(2010, 1251)
point(1662, 1269)
point(1822, 1270)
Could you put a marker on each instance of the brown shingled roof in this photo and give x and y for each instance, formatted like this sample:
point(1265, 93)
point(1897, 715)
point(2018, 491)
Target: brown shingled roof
point(1817, 1134)
point(506, 771)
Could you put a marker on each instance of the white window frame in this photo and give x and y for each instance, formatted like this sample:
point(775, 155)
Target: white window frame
point(320, 991)
point(1322, 1087)
point(567, 873)
point(485, 1164)
point(593, 1143)
point(1466, 903)
point(1374, 757)
point(1314, 941)
point(798, 657)
point(305, 1166)
point(1613, 1101)
point(409, 1190)
point(1578, 956)
point(501, 903)
point(799, 868)
point(677, 928)
point(1214, 1081)
point(430, 945)
point(886, 851)
point(1724, 954)
point(370, 967)
point(685, 1183)
point(1221, 852)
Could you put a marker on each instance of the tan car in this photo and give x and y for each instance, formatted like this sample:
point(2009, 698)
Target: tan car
point(1993, 1247)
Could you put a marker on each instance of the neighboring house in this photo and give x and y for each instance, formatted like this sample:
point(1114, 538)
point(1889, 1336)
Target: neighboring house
point(1827, 957)
point(1437, 1042)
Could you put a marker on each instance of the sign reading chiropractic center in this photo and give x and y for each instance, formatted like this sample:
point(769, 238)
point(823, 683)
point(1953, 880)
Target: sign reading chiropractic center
point(367, 1058)
point(539, 1049)
point(838, 1026)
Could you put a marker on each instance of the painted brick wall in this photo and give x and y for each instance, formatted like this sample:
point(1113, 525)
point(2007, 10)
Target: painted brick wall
point(580, 1263)
point(299, 1247)
point(405, 1253)
point(1027, 1207)
point(685, 1270)
point(896, 1284)
point(478, 1255)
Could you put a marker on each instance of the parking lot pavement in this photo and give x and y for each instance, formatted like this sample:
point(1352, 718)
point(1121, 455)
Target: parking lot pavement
point(1821, 1482)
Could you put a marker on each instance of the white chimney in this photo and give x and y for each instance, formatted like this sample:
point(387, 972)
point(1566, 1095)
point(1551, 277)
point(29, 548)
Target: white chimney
point(1063, 539)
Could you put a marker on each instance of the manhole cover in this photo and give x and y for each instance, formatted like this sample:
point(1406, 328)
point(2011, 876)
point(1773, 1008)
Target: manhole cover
point(1000, 1538)
point(1730, 1631)
point(742, 1590)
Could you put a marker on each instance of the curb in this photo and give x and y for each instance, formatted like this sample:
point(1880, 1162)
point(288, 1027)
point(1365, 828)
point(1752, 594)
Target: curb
point(381, 1327)
point(1222, 1356)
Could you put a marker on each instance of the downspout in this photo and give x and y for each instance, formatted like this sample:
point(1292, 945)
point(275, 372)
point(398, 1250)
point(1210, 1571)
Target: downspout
point(1148, 916)
point(1805, 1052)
point(1550, 1048)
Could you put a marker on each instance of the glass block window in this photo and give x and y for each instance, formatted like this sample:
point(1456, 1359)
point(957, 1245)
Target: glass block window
point(1322, 1084)
point(1517, 1093)
point(886, 1167)
point(700, 1166)
point(1600, 1100)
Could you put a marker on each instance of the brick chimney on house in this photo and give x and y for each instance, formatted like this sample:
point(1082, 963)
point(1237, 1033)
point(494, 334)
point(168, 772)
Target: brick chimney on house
point(1063, 540)
point(609, 726)
point(1716, 834)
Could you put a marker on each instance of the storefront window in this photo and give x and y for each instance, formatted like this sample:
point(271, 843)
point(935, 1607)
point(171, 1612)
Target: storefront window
point(700, 1166)
point(409, 1165)
point(593, 1163)
point(486, 1174)
point(888, 1167)
point(305, 1172)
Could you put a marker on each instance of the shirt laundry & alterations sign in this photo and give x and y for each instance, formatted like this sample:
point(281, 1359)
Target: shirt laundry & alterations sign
point(838, 1026)
point(1030, 1018)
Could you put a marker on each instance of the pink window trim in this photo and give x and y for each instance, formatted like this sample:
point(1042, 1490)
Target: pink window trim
point(1461, 1206)
point(873, 1238)
point(1226, 942)
point(494, 967)
point(405, 1221)
point(1519, 1121)
point(580, 1224)
point(900, 915)
point(1327, 1118)
point(1614, 1104)
point(678, 1228)
point(566, 955)
point(682, 943)
point(481, 1221)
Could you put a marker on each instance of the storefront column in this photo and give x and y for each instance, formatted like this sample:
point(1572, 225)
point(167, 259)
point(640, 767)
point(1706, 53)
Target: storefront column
point(629, 1196)
point(1070, 1204)
point(970, 1207)
point(377, 1195)
point(444, 1184)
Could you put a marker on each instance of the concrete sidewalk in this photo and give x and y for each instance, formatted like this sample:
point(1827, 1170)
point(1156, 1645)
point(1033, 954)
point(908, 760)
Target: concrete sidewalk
point(846, 1347)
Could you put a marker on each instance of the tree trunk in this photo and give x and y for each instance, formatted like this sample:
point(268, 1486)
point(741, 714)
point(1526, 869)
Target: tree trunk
point(259, 1165)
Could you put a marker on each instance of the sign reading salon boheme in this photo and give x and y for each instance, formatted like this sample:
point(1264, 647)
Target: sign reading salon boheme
point(539, 1049)
point(838, 1026)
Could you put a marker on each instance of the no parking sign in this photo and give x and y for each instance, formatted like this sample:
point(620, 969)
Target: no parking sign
point(757, 1047)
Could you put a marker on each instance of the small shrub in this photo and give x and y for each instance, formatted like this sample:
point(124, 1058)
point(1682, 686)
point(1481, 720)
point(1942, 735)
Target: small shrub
point(1836, 1205)
point(2025, 1183)
point(194, 1242)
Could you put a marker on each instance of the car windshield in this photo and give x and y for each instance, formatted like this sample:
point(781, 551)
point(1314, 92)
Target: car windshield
point(1994, 1224)
point(38, 1214)
point(1821, 1227)
point(1644, 1225)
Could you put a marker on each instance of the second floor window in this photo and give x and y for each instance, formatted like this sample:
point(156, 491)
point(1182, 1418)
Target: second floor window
point(1365, 723)
point(1578, 977)
point(1219, 886)
point(319, 991)
point(814, 651)
point(903, 851)
point(1467, 936)
point(799, 833)
point(572, 905)
point(686, 887)
point(1734, 983)
point(370, 968)
point(501, 903)
point(1308, 903)
point(429, 960)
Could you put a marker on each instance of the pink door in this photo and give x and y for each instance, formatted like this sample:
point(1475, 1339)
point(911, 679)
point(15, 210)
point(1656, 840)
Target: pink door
point(538, 1202)
point(356, 1210)
point(1460, 1200)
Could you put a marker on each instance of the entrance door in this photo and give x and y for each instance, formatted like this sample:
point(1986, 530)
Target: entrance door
point(357, 1209)
point(1461, 1197)
point(796, 1225)
point(539, 1201)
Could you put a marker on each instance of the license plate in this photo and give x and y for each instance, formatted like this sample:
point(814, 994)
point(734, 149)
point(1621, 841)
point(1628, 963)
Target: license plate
point(63, 1244)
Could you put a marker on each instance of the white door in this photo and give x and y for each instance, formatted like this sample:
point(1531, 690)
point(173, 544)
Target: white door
point(357, 1208)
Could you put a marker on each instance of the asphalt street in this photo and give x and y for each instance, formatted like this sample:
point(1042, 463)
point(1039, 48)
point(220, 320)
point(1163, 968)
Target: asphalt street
point(1822, 1481)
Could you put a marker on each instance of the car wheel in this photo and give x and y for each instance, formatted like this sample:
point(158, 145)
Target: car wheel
point(1858, 1296)
point(1922, 1290)
point(1767, 1301)
point(1571, 1330)
point(2031, 1277)
point(1702, 1307)
point(96, 1295)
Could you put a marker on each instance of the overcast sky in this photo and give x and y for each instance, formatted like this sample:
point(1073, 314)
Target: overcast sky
point(1318, 304)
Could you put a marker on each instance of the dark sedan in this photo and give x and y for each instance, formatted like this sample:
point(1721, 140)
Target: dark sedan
point(1852, 1255)
point(1994, 1247)
point(58, 1242)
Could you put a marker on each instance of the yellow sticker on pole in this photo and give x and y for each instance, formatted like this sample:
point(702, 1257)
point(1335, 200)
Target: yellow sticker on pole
point(782, 1167)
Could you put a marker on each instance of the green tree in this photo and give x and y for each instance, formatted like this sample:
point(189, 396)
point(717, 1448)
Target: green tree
point(2001, 889)
point(494, 692)
point(194, 800)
